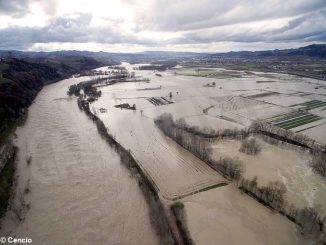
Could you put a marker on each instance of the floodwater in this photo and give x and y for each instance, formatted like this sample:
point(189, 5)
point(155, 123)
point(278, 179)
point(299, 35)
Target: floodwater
point(175, 172)
point(285, 163)
point(75, 185)
point(225, 216)
point(219, 215)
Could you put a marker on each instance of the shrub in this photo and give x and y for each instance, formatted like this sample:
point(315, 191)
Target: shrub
point(231, 167)
point(318, 163)
point(74, 90)
point(250, 146)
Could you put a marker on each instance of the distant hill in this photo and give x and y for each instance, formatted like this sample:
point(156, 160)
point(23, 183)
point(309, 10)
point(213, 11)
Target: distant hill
point(67, 65)
point(101, 56)
point(314, 50)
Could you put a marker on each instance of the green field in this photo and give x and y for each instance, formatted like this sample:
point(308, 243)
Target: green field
point(249, 65)
point(311, 104)
point(286, 116)
point(204, 73)
point(208, 73)
point(294, 119)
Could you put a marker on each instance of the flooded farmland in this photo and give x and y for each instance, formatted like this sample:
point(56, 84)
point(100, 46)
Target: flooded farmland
point(163, 122)
point(287, 164)
point(78, 191)
point(232, 102)
point(75, 181)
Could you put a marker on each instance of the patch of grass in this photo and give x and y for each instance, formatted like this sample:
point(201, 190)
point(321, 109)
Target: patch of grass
point(195, 73)
point(249, 65)
point(316, 106)
point(286, 116)
point(296, 119)
point(209, 73)
point(300, 122)
point(311, 104)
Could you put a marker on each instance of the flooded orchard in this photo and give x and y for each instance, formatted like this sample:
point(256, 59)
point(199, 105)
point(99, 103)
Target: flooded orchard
point(71, 186)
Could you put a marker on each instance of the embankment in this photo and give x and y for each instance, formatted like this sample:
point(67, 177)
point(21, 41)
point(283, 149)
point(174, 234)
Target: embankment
point(163, 220)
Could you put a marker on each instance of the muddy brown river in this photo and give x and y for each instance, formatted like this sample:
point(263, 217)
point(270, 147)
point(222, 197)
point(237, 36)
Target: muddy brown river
point(75, 190)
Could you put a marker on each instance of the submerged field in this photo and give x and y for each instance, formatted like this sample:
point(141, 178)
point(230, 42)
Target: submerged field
point(284, 163)
point(220, 100)
point(176, 172)
point(226, 216)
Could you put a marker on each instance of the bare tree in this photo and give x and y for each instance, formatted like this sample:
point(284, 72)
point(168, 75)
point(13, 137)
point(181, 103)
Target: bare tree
point(231, 167)
point(273, 194)
point(308, 218)
point(318, 163)
point(250, 146)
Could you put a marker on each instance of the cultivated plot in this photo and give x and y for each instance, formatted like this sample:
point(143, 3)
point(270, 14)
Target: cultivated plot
point(293, 119)
point(232, 103)
point(176, 172)
point(309, 105)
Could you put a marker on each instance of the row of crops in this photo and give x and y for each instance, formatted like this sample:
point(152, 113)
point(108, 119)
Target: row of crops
point(208, 73)
point(311, 104)
point(293, 119)
point(157, 101)
point(204, 73)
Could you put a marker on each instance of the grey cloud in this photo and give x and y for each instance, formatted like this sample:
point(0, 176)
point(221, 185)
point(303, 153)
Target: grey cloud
point(49, 6)
point(309, 27)
point(196, 22)
point(16, 8)
point(75, 30)
point(20, 8)
point(179, 15)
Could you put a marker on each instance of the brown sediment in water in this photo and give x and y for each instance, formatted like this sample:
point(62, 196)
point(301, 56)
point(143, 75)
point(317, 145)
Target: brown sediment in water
point(165, 222)
point(79, 193)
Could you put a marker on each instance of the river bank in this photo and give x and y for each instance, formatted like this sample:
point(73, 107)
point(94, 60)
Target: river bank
point(165, 220)
point(79, 193)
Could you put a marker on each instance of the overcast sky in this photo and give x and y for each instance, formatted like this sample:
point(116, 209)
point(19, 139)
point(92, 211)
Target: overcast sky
point(181, 25)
